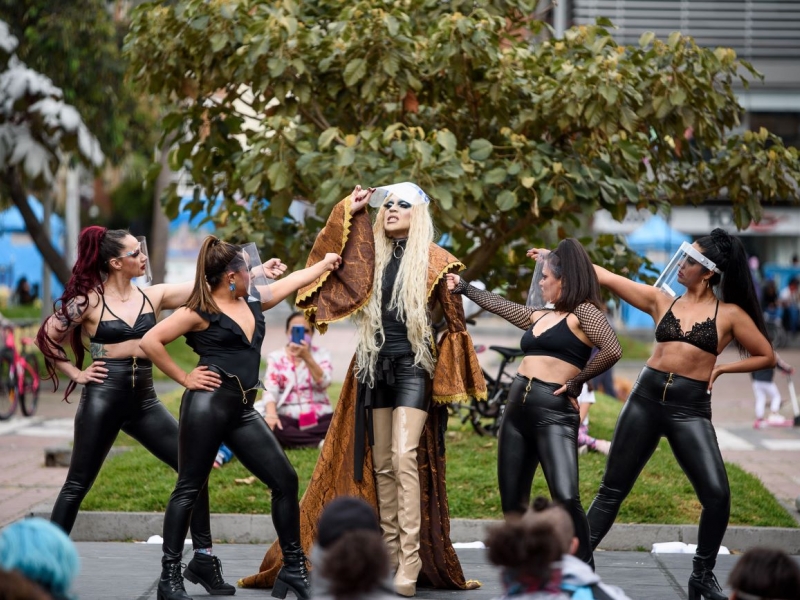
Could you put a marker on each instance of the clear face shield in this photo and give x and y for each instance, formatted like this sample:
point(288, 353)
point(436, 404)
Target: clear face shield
point(535, 295)
point(147, 277)
point(249, 264)
point(406, 191)
point(670, 281)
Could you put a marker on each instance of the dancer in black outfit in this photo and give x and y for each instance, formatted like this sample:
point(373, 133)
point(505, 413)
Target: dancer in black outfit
point(100, 302)
point(542, 417)
point(224, 325)
point(672, 396)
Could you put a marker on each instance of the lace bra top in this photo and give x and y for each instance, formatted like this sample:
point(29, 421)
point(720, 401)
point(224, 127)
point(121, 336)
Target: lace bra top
point(116, 331)
point(558, 342)
point(703, 334)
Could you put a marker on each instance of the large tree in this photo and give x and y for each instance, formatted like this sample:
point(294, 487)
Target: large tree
point(513, 134)
point(38, 131)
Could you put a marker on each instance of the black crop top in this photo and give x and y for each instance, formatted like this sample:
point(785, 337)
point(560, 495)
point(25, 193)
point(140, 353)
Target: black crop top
point(558, 342)
point(116, 331)
point(225, 345)
point(703, 334)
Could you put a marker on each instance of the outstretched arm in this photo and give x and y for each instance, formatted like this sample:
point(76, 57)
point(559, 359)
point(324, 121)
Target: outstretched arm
point(642, 296)
point(293, 282)
point(514, 313)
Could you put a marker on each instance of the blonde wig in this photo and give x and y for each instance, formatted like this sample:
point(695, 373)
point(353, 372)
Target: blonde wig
point(409, 296)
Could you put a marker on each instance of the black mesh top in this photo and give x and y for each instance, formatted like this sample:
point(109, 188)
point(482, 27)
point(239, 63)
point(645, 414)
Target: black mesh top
point(593, 323)
point(703, 334)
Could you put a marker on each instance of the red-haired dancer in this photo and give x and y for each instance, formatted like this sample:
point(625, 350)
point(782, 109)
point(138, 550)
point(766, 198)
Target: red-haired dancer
point(100, 302)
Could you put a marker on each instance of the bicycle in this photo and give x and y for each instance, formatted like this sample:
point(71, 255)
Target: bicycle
point(19, 376)
point(486, 416)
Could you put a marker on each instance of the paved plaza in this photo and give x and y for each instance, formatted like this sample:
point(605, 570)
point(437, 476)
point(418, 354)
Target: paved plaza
point(130, 570)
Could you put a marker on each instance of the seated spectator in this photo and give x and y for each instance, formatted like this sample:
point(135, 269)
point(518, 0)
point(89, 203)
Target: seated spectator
point(765, 573)
point(577, 578)
point(527, 551)
point(42, 552)
point(585, 441)
point(350, 556)
point(296, 404)
point(23, 294)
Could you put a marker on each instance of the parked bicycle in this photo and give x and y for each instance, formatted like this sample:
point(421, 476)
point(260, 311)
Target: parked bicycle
point(19, 375)
point(486, 416)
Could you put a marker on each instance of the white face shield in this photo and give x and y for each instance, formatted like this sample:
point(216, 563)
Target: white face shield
point(687, 255)
point(148, 270)
point(410, 192)
point(249, 264)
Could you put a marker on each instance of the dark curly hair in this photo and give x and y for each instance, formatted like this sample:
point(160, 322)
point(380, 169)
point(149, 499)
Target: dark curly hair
point(766, 573)
point(356, 563)
point(528, 545)
point(735, 282)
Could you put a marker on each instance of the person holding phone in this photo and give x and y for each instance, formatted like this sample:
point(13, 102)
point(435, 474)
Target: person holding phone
point(296, 404)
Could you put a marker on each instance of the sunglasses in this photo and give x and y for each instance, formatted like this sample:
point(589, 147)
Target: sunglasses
point(132, 253)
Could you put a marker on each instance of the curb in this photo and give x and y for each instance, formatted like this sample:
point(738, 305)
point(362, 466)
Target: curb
point(258, 529)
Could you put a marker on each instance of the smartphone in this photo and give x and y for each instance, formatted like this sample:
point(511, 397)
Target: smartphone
point(298, 333)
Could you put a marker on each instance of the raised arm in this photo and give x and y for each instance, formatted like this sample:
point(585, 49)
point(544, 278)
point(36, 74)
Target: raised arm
point(514, 313)
point(167, 296)
point(154, 344)
point(642, 296)
point(294, 281)
point(596, 327)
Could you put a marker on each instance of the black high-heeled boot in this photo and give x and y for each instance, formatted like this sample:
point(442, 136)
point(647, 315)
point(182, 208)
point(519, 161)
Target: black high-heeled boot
point(206, 570)
point(703, 583)
point(170, 586)
point(293, 575)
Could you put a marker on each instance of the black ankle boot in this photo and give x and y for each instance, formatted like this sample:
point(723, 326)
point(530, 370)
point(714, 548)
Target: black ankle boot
point(207, 571)
point(170, 586)
point(703, 583)
point(293, 576)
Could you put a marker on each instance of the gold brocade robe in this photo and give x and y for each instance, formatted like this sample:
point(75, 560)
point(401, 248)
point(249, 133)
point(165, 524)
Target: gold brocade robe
point(457, 377)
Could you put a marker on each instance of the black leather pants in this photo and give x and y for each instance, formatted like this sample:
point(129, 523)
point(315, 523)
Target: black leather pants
point(125, 401)
point(679, 408)
point(541, 428)
point(207, 419)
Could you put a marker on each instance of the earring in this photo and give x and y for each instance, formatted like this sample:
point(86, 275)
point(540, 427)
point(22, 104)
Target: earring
point(232, 288)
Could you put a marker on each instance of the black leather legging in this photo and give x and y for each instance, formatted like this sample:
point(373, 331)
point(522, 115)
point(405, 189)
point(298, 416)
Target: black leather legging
point(679, 408)
point(125, 401)
point(541, 428)
point(207, 419)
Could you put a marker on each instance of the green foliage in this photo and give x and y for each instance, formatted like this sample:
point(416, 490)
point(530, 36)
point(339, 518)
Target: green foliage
point(77, 44)
point(517, 138)
point(471, 481)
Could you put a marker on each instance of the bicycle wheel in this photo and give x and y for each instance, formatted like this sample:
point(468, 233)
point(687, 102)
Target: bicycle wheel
point(8, 396)
point(29, 399)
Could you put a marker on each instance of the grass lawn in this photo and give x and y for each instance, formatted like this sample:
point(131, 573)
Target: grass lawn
point(135, 481)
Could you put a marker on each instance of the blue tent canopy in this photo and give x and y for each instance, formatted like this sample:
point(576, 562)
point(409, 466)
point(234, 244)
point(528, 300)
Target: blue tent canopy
point(657, 241)
point(19, 256)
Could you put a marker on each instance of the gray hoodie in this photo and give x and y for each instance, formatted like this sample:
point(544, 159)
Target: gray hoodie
point(576, 574)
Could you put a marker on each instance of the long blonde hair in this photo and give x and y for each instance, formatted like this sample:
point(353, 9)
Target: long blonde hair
point(409, 296)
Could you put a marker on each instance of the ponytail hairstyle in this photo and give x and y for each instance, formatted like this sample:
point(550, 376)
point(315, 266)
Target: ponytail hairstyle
point(570, 264)
point(215, 259)
point(735, 283)
point(355, 564)
point(96, 246)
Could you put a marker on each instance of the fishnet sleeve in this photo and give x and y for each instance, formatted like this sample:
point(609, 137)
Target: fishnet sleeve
point(596, 327)
point(514, 313)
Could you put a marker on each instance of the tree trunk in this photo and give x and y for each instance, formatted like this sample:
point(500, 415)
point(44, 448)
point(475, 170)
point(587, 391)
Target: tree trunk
point(54, 259)
point(159, 231)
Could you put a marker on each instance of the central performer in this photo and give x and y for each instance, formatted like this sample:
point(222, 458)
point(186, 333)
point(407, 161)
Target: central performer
point(386, 440)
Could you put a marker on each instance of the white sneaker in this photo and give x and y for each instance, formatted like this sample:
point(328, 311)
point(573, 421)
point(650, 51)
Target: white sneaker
point(602, 446)
point(776, 419)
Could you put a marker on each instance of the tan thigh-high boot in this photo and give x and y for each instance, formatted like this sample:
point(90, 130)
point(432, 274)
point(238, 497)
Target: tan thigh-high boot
point(407, 424)
point(385, 481)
